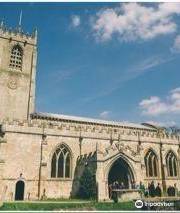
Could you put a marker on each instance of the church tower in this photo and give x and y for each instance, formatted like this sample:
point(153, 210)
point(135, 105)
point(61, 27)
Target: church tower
point(18, 53)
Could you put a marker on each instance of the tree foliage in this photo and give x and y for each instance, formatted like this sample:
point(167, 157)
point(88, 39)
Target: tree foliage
point(175, 130)
point(87, 189)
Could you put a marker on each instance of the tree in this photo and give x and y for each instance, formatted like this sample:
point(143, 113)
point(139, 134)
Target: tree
point(175, 130)
point(87, 189)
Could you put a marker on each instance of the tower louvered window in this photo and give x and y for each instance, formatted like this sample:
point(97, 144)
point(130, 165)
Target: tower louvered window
point(16, 57)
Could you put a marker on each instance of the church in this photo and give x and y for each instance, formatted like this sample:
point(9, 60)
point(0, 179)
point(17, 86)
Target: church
point(44, 154)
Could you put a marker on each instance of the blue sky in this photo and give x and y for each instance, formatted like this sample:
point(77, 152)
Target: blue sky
point(105, 60)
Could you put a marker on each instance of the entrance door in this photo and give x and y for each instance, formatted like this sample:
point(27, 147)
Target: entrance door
point(19, 192)
point(121, 172)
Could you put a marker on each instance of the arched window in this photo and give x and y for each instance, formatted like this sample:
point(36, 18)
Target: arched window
point(61, 163)
point(16, 57)
point(171, 163)
point(151, 163)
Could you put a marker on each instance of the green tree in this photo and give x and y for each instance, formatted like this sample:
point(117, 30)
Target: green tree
point(87, 189)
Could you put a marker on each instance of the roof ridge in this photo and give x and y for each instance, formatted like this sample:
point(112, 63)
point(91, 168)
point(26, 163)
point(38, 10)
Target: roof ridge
point(89, 120)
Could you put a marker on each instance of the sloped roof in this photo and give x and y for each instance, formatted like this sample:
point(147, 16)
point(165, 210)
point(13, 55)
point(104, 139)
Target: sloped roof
point(61, 117)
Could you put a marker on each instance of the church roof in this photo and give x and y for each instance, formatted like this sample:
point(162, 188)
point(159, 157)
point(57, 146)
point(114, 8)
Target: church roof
point(77, 119)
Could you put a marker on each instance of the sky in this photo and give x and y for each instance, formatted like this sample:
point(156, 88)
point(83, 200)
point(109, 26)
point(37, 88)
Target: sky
point(112, 61)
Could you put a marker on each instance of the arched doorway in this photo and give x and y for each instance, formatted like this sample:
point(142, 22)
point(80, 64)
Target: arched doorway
point(121, 172)
point(19, 191)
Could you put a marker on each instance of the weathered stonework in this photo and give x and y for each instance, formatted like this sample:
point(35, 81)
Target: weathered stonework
point(30, 139)
point(17, 87)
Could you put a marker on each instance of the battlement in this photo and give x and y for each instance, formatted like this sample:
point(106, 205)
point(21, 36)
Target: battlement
point(88, 130)
point(18, 34)
point(86, 157)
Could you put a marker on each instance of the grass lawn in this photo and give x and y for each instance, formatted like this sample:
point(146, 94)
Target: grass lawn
point(66, 206)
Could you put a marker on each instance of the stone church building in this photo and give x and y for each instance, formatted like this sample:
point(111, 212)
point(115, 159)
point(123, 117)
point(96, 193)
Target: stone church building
point(45, 154)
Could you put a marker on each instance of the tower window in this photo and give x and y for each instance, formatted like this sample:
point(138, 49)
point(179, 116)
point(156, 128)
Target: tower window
point(16, 57)
point(61, 163)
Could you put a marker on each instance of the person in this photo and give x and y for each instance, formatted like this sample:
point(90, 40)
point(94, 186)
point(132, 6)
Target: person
point(114, 196)
point(176, 189)
point(122, 185)
point(146, 192)
point(152, 189)
point(116, 185)
point(158, 190)
point(44, 197)
point(133, 185)
point(110, 191)
point(142, 188)
point(171, 191)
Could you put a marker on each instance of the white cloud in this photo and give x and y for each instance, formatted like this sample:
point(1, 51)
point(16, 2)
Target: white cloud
point(104, 114)
point(76, 21)
point(135, 21)
point(155, 106)
point(176, 45)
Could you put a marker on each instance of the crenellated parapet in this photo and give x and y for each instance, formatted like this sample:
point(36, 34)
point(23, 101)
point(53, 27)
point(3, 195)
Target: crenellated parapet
point(18, 34)
point(88, 130)
point(86, 158)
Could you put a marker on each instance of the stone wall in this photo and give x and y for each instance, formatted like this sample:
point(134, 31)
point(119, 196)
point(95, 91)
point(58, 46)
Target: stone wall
point(21, 148)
